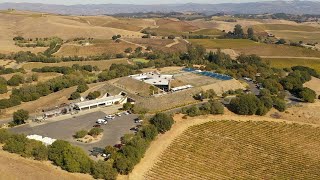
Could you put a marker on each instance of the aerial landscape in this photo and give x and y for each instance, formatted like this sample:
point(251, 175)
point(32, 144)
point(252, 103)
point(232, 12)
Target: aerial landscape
point(159, 90)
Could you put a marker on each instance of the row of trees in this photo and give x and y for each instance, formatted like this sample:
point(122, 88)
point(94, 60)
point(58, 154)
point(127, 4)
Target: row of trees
point(66, 69)
point(211, 107)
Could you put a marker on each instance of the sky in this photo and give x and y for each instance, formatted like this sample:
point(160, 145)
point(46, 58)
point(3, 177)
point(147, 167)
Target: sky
point(70, 2)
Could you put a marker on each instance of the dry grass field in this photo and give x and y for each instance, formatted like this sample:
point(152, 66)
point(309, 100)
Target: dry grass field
point(103, 64)
point(241, 150)
point(314, 84)
point(173, 27)
point(106, 46)
point(14, 167)
point(28, 25)
point(160, 44)
point(289, 62)
point(251, 47)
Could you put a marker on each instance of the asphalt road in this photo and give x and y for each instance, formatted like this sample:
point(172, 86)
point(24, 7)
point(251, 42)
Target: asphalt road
point(65, 129)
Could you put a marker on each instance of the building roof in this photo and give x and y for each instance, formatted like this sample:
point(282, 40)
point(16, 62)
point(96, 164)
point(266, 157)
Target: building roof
point(98, 101)
point(153, 78)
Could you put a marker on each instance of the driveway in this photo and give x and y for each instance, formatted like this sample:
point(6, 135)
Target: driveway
point(65, 129)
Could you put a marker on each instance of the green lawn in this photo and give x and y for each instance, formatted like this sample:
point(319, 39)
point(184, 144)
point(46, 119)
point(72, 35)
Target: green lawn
point(140, 60)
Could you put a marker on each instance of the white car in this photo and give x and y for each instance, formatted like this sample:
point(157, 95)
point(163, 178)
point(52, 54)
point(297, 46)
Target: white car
point(138, 120)
point(118, 114)
point(126, 113)
point(101, 121)
point(110, 117)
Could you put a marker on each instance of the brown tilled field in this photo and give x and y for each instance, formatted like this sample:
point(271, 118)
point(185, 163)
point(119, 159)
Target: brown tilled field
point(107, 46)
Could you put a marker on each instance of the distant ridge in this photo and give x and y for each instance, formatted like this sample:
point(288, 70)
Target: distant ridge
point(291, 7)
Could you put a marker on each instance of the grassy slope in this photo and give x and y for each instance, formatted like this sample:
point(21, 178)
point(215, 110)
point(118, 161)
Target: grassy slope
point(285, 62)
point(242, 150)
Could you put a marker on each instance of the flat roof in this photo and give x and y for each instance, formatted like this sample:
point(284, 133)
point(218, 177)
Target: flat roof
point(98, 101)
point(153, 78)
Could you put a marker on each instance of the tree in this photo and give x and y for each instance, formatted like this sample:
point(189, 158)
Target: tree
point(279, 104)
point(128, 50)
point(307, 95)
point(250, 33)
point(281, 41)
point(171, 37)
point(149, 132)
point(74, 95)
point(246, 104)
point(162, 122)
point(238, 31)
point(216, 107)
point(83, 87)
point(104, 170)
point(15, 80)
point(93, 95)
point(20, 116)
point(70, 158)
point(4, 135)
point(127, 106)
point(138, 50)
point(80, 134)
point(95, 131)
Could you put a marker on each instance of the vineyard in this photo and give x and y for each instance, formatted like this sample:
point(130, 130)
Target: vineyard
point(242, 150)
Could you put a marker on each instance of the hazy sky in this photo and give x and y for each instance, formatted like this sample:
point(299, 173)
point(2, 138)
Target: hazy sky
point(68, 2)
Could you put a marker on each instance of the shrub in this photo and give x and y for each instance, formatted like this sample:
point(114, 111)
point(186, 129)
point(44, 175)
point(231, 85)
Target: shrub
point(279, 104)
point(20, 116)
point(74, 95)
point(127, 106)
point(95, 131)
point(15, 80)
point(307, 95)
point(162, 122)
point(70, 158)
point(82, 88)
point(93, 95)
point(16, 144)
point(149, 132)
point(4, 135)
point(80, 134)
point(103, 170)
point(246, 104)
point(171, 37)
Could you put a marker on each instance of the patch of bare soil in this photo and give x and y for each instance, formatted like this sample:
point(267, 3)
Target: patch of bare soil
point(314, 84)
point(90, 139)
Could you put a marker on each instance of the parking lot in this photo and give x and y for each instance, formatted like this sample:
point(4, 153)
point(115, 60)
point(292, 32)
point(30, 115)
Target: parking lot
point(65, 129)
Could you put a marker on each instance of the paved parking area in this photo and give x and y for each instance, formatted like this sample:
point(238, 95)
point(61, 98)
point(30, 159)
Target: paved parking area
point(65, 129)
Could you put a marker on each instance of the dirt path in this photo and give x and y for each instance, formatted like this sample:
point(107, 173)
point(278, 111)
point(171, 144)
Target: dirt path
point(162, 142)
point(144, 47)
point(176, 41)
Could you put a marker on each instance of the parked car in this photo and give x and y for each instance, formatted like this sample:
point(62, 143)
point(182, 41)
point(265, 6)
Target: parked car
point(118, 146)
point(138, 120)
point(126, 113)
point(110, 117)
point(97, 126)
point(118, 114)
point(101, 121)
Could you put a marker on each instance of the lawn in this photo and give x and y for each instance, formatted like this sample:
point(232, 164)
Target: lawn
point(241, 150)
point(251, 47)
point(103, 64)
point(287, 63)
point(138, 60)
